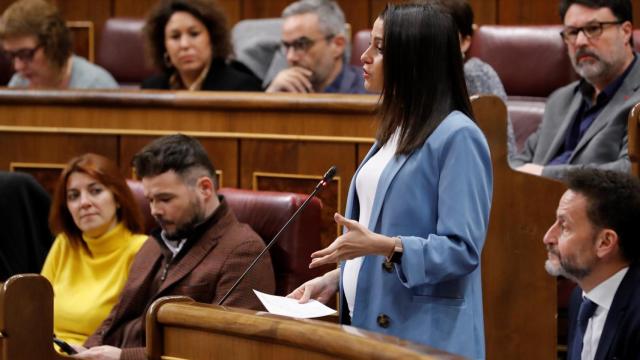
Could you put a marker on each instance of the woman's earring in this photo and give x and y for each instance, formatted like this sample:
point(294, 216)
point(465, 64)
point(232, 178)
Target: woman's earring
point(167, 60)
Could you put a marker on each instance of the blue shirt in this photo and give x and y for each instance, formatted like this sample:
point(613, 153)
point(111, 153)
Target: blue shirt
point(587, 113)
point(348, 81)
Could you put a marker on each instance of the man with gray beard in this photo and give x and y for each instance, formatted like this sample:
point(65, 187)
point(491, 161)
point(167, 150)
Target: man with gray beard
point(595, 242)
point(585, 122)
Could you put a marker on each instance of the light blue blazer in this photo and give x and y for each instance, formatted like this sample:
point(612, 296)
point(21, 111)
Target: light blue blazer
point(437, 200)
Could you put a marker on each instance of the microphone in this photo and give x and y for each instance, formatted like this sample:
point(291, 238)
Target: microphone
point(326, 179)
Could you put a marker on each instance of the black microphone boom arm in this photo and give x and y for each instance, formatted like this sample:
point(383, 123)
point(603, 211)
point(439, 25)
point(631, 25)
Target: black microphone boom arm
point(326, 179)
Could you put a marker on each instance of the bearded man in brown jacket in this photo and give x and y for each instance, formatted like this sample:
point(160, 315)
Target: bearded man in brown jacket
point(199, 251)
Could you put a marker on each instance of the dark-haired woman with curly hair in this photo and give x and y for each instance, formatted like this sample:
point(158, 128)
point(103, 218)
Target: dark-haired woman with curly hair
point(189, 40)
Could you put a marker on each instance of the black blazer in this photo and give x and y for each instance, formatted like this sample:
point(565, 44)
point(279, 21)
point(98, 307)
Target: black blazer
point(25, 239)
point(221, 77)
point(620, 337)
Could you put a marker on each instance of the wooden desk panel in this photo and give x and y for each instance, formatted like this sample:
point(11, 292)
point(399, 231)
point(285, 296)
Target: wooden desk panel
point(244, 133)
point(298, 166)
point(43, 154)
point(178, 328)
point(519, 297)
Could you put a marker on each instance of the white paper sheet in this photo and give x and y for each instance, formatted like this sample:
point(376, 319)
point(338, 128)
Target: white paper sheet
point(290, 307)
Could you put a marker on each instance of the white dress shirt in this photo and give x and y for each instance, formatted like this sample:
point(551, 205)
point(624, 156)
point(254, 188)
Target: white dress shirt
point(603, 296)
point(173, 245)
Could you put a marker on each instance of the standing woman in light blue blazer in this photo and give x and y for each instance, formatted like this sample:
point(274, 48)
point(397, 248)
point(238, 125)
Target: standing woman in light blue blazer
point(418, 205)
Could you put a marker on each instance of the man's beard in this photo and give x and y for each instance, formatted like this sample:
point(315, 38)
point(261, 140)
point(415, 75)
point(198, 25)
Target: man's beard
point(567, 268)
point(593, 70)
point(184, 229)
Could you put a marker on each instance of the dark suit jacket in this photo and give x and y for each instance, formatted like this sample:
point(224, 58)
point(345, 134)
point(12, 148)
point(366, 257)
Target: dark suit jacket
point(25, 238)
point(603, 145)
point(221, 77)
point(620, 337)
point(213, 258)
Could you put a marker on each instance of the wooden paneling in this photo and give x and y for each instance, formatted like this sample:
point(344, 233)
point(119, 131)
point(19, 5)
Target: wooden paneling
point(300, 158)
point(52, 148)
point(140, 8)
point(222, 152)
point(233, 10)
point(358, 14)
point(83, 35)
point(526, 12)
point(263, 9)
point(376, 8)
point(42, 154)
point(96, 11)
point(363, 149)
point(484, 11)
point(136, 9)
point(45, 174)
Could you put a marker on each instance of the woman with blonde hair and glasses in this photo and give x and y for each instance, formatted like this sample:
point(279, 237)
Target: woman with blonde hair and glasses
point(38, 43)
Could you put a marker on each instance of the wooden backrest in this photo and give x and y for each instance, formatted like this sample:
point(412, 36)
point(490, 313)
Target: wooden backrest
point(177, 327)
point(526, 116)
point(634, 134)
point(26, 319)
point(121, 51)
point(513, 277)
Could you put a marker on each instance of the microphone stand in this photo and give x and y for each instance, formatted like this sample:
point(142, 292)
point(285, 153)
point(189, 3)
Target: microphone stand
point(328, 176)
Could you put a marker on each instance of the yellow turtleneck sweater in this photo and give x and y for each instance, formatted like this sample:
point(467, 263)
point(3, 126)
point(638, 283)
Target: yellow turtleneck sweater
point(87, 284)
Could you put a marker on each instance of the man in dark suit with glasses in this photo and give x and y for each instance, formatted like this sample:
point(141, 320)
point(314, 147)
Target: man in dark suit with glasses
point(585, 122)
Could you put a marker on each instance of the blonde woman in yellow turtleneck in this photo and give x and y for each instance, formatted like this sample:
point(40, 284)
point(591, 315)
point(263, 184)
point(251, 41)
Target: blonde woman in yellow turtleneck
point(98, 222)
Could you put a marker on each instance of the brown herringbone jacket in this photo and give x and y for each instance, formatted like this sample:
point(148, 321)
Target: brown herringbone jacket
point(210, 262)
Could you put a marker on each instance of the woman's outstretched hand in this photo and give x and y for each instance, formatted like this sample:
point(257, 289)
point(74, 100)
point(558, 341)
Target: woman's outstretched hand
point(356, 241)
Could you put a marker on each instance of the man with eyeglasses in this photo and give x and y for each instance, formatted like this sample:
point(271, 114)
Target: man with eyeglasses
point(35, 39)
point(585, 122)
point(314, 43)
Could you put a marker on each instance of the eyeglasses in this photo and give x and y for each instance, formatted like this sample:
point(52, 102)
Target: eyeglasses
point(591, 30)
point(25, 55)
point(302, 44)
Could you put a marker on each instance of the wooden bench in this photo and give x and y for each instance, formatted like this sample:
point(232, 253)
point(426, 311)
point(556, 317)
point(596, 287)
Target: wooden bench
point(520, 301)
point(26, 319)
point(179, 328)
point(633, 127)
